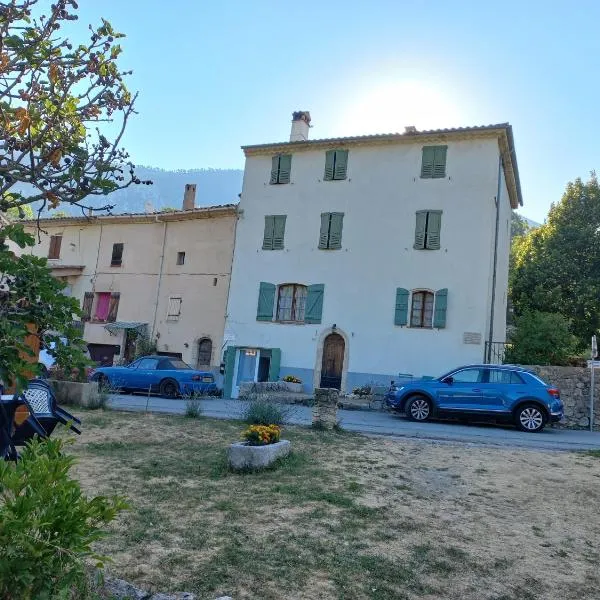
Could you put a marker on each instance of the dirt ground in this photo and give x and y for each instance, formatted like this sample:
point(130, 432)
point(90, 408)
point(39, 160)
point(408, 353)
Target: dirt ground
point(345, 517)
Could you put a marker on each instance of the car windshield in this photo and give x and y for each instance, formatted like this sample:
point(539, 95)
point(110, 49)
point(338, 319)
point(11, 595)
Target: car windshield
point(178, 364)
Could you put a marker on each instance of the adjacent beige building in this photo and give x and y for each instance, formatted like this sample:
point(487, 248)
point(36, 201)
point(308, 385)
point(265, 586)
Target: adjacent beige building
point(164, 275)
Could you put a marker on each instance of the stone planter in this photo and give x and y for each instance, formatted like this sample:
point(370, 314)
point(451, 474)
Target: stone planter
point(243, 457)
point(73, 393)
point(296, 388)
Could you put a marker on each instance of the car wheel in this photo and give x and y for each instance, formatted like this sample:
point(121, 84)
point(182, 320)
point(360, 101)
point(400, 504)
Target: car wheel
point(530, 418)
point(418, 408)
point(169, 388)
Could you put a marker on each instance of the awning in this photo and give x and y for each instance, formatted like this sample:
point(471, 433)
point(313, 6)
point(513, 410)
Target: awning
point(114, 328)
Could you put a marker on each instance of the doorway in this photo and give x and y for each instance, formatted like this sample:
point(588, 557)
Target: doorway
point(333, 361)
point(247, 362)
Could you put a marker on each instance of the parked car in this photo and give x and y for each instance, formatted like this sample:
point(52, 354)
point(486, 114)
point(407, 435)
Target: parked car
point(165, 375)
point(501, 392)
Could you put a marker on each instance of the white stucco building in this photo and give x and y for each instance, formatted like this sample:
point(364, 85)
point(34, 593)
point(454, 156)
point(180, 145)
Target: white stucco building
point(360, 258)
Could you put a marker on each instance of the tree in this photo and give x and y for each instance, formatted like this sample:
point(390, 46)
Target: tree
point(59, 214)
point(21, 212)
point(556, 267)
point(55, 96)
point(518, 225)
point(540, 339)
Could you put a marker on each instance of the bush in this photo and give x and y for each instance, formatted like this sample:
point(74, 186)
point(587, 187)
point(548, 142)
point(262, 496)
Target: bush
point(47, 525)
point(262, 435)
point(193, 409)
point(259, 412)
point(365, 390)
point(292, 379)
point(540, 338)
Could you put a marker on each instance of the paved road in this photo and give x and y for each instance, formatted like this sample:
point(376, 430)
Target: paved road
point(382, 423)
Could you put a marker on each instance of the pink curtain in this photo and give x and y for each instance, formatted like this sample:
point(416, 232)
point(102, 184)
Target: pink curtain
point(102, 306)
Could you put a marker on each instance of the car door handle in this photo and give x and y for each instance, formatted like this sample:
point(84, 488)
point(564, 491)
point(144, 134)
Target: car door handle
point(476, 390)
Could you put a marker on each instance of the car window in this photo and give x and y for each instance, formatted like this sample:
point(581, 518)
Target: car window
point(177, 364)
point(148, 363)
point(468, 376)
point(504, 377)
point(134, 365)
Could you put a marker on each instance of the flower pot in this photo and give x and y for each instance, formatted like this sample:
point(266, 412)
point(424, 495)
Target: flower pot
point(243, 457)
point(296, 388)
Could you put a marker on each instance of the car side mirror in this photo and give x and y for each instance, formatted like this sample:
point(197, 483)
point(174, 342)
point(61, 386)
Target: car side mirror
point(449, 380)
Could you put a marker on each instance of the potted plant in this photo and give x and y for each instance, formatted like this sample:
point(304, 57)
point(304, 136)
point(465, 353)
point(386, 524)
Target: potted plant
point(261, 446)
point(293, 384)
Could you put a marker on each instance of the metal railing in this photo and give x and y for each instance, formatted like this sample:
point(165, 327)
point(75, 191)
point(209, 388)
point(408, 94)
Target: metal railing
point(495, 352)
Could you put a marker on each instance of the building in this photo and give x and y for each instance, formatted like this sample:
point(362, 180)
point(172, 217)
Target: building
point(164, 276)
point(360, 258)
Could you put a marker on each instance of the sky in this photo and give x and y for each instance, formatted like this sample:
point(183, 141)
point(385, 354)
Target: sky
point(214, 76)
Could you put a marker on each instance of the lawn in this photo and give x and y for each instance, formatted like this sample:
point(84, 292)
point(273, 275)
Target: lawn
point(345, 517)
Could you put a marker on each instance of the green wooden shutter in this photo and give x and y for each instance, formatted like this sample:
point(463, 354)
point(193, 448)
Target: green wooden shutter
point(285, 168)
point(420, 229)
point(266, 299)
point(269, 232)
point(441, 304)
point(329, 162)
point(439, 161)
point(275, 364)
point(427, 161)
point(324, 234)
point(314, 303)
point(434, 225)
point(275, 169)
point(335, 231)
point(278, 231)
point(341, 164)
point(401, 314)
point(229, 360)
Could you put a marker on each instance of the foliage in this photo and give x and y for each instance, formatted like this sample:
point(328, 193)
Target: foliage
point(262, 435)
point(556, 267)
point(365, 390)
point(540, 339)
point(168, 209)
point(193, 408)
point(21, 212)
point(59, 214)
point(259, 412)
point(518, 225)
point(143, 346)
point(292, 379)
point(47, 525)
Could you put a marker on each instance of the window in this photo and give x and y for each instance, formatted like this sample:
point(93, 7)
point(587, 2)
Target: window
point(54, 250)
point(336, 165)
point(330, 237)
point(102, 306)
point(86, 308)
point(433, 164)
point(148, 363)
point(291, 303)
point(274, 232)
point(421, 313)
point(427, 230)
point(117, 255)
point(174, 310)
point(504, 377)
point(204, 352)
point(281, 168)
point(174, 363)
point(181, 258)
point(468, 376)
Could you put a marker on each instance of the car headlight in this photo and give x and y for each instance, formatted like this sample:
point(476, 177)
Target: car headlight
point(396, 388)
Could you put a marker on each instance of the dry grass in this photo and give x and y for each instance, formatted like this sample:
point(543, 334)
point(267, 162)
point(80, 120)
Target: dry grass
point(345, 517)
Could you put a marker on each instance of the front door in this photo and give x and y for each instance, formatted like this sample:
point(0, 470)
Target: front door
point(333, 361)
point(246, 368)
point(465, 391)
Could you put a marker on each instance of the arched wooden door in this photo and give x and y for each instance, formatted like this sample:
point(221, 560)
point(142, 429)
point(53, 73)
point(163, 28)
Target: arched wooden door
point(333, 361)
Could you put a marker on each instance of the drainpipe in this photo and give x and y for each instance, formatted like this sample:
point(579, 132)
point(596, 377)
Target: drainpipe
point(162, 260)
point(495, 264)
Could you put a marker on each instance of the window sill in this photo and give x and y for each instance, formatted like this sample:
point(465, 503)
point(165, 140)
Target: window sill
point(119, 265)
point(434, 177)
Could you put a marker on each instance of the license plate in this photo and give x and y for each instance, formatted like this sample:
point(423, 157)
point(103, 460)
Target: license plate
point(207, 380)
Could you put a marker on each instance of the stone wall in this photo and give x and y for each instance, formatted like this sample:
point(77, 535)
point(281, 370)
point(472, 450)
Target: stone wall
point(575, 386)
point(325, 407)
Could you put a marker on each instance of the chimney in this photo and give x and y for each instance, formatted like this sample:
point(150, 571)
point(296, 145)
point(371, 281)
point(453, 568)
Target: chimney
point(300, 126)
point(189, 197)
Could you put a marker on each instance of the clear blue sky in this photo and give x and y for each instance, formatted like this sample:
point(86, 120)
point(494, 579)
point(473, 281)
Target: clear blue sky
point(215, 75)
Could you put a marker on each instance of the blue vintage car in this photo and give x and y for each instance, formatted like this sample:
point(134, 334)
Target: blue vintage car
point(501, 392)
point(165, 375)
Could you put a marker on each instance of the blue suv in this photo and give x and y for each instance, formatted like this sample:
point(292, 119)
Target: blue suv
point(502, 392)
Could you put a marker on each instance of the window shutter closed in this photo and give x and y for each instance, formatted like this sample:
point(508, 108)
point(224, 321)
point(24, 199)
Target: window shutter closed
point(341, 164)
point(278, 231)
point(420, 229)
point(427, 161)
point(229, 360)
point(113, 307)
point(275, 364)
point(314, 303)
point(86, 309)
point(439, 161)
point(285, 168)
point(329, 162)
point(335, 231)
point(269, 232)
point(401, 314)
point(266, 299)
point(324, 235)
point(441, 304)
point(434, 225)
point(274, 169)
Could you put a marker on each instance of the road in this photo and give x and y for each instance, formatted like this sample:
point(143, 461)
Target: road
point(382, 423)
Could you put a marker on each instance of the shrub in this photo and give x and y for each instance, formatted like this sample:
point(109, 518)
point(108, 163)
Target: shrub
point(193, 409)
point(262, 435)
point(540, 338)
point(47, 525)
point(259, 412)
point(99, 400)
point(365, 390)
point(292, 379)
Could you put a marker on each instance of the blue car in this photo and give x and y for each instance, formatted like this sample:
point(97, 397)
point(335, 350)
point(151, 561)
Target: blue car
point(501, 392)
point(165, 375)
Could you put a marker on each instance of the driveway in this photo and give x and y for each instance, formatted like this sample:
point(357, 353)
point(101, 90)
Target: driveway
point(383, 423)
